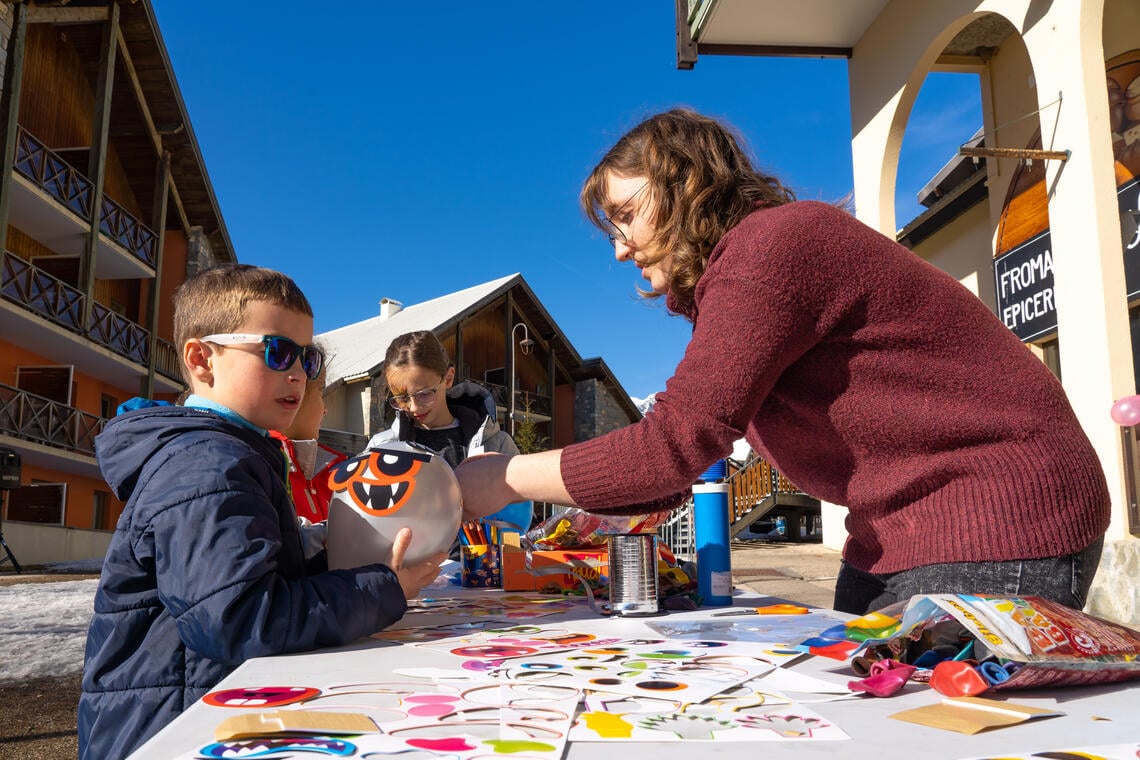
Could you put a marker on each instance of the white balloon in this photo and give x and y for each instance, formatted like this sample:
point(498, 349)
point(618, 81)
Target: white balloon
point(389, 487)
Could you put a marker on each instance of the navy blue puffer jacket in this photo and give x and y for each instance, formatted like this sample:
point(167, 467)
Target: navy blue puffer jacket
point(205, 570)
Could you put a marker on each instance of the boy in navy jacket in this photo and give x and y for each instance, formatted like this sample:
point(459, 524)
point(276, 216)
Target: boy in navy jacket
point(206, 568)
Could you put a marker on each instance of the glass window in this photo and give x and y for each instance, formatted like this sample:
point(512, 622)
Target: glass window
point(39, 503)
point(101, 512)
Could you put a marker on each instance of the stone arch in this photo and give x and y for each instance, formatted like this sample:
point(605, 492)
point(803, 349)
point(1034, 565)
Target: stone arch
point(885, 86)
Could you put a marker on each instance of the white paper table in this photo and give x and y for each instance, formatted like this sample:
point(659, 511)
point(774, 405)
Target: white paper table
point(1094, 715)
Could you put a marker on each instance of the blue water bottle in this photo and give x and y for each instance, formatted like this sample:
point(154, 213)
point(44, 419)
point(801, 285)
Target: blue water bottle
point(710, 518)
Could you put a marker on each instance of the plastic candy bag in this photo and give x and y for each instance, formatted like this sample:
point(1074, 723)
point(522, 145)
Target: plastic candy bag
point(576, 528)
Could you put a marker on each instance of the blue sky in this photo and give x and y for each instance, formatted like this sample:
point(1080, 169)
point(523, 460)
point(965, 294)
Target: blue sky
point(408, 150)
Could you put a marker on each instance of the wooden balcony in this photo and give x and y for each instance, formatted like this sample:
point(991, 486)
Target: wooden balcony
point(53, 202)
point(33, 418)
point(539, 408)
point(34, 290)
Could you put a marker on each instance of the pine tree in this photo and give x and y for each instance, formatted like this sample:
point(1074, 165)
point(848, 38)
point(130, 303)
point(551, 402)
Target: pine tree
point(526, 436)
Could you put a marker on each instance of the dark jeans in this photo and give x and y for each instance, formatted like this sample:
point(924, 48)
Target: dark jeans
point(1064, 580)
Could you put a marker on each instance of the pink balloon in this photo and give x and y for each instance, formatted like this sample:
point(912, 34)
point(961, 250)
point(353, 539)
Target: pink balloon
point(1126, 411)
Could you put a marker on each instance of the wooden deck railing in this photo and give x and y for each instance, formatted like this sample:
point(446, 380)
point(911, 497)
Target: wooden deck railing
point(757, 488)
point(62, 181)
point(34, 289)
point(525, 402)
point(34, 418)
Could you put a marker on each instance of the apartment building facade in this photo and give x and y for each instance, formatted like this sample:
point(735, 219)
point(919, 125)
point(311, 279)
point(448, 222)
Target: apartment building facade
point(105, 208)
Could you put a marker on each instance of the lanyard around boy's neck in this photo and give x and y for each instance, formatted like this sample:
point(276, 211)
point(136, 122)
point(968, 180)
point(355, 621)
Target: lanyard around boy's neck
point(194, 401)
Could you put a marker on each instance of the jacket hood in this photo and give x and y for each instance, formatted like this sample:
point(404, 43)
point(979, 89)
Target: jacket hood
point(474, 407)
point(473, 396)
point(129, 440)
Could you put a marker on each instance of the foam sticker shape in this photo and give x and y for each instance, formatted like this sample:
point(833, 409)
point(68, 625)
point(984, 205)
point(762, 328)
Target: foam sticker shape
point(260, 696)
point(293, 722)
point(278, 747)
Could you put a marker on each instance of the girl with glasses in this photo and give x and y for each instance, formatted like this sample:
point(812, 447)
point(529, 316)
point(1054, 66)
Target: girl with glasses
point(870, 378)
point(432, 410)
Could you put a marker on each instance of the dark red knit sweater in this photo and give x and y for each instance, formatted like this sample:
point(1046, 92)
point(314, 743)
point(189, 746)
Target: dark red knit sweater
point(873, 380)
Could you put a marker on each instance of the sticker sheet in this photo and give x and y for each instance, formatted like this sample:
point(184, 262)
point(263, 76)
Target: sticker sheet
point(530, 640)
point(486, 684)
point(413, 720)
point(744, 713)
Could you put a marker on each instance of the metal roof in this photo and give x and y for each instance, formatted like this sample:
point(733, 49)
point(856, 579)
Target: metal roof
point(358, 349)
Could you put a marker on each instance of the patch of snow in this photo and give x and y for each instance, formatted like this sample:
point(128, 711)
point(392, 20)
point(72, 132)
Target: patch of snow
point(43, 628)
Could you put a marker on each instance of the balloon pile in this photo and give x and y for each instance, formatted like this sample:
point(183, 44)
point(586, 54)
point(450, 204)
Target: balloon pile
point(1126, 411)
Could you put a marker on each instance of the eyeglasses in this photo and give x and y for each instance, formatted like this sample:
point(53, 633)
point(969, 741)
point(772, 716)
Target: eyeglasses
point(425, 397)
point(280, 352)
point(611, 229)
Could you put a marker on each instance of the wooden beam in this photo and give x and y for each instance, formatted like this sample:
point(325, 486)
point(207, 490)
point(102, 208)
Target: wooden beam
point(41, 15)
point(509, 358)
point(458, 357)
point(773, 51)
point(10, 111)
point(1035, 154)
point(552, 382)
point(148, 120)
point(180, 208)
point(151, 128)
point(136, 87)
point(158, 222)
point(686, 48)
point(97, 164)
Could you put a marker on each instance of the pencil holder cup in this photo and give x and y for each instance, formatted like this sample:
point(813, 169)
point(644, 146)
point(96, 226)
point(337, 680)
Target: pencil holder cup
point(480, 566)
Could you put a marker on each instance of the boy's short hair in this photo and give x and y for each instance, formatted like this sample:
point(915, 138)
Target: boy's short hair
point(214, 300)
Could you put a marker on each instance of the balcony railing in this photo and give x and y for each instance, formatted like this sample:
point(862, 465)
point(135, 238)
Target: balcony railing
point(66, 184)
point(525, 402)
point(34, 418)
point(758, 488)
point(34, 289)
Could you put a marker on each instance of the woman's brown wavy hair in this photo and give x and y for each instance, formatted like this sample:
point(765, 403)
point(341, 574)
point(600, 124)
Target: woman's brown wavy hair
point(703, 184)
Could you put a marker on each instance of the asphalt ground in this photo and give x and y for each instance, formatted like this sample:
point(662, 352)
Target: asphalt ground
point(797, 571)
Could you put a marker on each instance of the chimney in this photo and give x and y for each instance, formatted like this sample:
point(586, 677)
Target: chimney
point(389, 307)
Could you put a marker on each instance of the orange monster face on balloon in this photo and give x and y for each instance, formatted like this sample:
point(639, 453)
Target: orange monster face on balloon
point(379, 482)
point(391, 486)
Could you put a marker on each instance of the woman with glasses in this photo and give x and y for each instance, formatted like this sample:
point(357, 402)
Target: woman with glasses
point(864, 374)
point(453, 420)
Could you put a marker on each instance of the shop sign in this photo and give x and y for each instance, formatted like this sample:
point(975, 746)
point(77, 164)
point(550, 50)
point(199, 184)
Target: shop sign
point(1023, 279)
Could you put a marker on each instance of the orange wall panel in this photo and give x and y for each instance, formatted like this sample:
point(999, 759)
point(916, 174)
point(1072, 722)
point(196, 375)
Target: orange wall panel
point(175, 250)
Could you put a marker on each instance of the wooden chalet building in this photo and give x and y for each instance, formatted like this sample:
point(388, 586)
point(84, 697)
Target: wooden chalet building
point(497, 334)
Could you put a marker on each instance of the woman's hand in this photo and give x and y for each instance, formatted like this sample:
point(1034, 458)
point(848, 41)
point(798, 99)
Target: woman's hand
point(413, 577)
point(482, 481)
point(491, 481)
